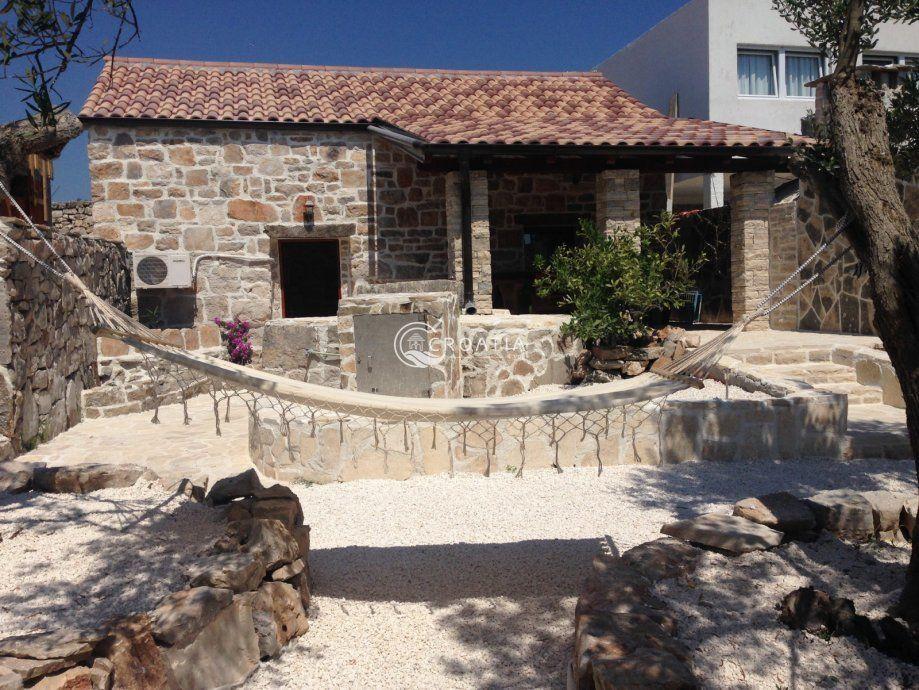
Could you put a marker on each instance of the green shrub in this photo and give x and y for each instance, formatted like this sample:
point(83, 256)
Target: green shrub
point(612, 283)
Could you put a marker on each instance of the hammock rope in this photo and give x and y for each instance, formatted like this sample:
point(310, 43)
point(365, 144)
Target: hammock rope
point(575, 416)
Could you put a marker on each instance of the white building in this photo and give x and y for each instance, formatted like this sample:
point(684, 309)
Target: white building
point(734, 61)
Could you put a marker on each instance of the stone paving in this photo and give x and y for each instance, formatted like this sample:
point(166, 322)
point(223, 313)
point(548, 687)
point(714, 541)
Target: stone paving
point(170, 448)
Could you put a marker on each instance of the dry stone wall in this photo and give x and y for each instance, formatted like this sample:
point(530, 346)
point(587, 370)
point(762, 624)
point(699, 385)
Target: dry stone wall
point(839, 301)
point(47, 350)
point(72, 217)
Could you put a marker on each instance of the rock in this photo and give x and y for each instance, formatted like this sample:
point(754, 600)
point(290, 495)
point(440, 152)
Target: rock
point(101, 672)
point(180, 616)
point(607, 364)
point(727, 532)
point(817, 612)
point(647, 668)
point(137, 663)
point(58, 644)
point(899, 641)
point(193, 491)
point(781, 511)
point(887, 508)
point(79, 678)
point(238, 510)
point(233, 537)
point(286, 510)
point(224, 653)
point(288, 571)
point(692, 340)
point(82, 479)
point(279, 616)
point(843, 512)
point(15, 477)
point(663, 558)
point(239, 486)
point(634, 368)
point(601, 638)
point(9, 680)
point(30, 669)
point(270, 541)
point(301, 583)
point(239, 572)
point(909, 520)
point(301, 535)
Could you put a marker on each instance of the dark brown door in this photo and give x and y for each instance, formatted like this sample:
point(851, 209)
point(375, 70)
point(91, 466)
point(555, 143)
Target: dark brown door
point(310, 277)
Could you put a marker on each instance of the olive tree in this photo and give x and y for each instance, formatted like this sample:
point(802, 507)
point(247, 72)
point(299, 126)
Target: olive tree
point(853, 171)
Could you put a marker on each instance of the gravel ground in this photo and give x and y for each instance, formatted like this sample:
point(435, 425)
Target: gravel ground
point(471, 582)
point(714, 389)
point(77, 561)
point(726, 612)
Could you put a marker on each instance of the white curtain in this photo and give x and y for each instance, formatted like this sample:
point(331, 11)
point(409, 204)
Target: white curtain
point(799, 70)
point(755, 74)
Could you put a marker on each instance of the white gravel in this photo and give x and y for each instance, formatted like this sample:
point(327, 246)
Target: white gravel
point(78, 561)
point(714, 390)
point(726, 613)
point(471, 582)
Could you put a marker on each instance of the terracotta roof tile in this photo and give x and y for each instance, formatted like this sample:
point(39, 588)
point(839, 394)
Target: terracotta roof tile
point(439, 106)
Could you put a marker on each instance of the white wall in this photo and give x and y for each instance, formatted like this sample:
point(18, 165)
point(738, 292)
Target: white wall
point(753, 23)
point(670, 57)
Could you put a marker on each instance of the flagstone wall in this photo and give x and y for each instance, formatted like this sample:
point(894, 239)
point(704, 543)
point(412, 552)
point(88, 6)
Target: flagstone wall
point(48, 351)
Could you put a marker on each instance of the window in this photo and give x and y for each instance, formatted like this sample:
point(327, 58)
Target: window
point(756, 75)
point(801, 68)
point(913, 62)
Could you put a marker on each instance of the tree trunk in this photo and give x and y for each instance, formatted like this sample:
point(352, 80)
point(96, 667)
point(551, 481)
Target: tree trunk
point(887, 244)
point(20, 138)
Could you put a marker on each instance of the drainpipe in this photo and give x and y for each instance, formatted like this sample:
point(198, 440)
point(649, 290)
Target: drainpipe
point(466, 230)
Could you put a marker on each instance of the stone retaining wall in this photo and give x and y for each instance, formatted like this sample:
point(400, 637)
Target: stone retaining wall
point(303, 349)
point(801, 425)
point(47, 350)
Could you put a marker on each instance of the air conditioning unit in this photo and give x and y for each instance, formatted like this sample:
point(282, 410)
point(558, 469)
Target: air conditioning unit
point(162, 270)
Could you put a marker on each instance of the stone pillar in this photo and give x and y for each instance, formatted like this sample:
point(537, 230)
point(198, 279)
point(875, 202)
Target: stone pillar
point(618, 200)
point(751, 199)
point(713, 190)
point(481, 236)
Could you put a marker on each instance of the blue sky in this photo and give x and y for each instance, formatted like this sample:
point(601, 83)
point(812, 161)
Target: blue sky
point(473, 34)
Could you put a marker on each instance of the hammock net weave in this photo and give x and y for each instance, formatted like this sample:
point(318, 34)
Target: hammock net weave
point(595, 411)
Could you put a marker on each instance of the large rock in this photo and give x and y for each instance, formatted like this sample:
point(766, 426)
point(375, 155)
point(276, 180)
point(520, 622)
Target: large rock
point(229, 488)
point(781, 511)
point(15, 477)
point(817, 612)
point(79, 678)
point(887, 508)
point(844, 512)
point(663, 558)
point(180, 616)
point(287, 510)
point(10, 680)
point(57, 644)
point(647, 668)
point(268, 540)
point(30, 669)
point(288, 571)
point(239, 572)
point(278, 615)
point(81, 479)
point(726, 532)
point(223, 654)
point(137, 663)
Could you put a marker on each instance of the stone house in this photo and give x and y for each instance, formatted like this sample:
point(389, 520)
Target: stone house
point(290, 187)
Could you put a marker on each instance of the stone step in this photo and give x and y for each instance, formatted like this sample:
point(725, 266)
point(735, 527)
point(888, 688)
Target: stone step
point(877, 431)
point(858, 394)
point(813, 372)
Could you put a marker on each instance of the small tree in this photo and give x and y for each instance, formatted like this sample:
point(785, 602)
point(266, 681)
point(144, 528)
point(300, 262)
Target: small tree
point(853, 172)
point(612, 282)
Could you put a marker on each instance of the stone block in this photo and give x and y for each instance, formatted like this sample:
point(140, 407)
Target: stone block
point(844, 512)
point(780, 511)
point(726, 532)
point(179, 617)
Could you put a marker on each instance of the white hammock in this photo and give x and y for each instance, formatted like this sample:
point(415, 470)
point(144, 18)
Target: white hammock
point(589, 409)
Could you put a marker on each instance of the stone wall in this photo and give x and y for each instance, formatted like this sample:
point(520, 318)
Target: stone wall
point(230, 191)
point(524, 201)
point(508, 355)
point(47, 350)
point(303, 349)
point(839, 301)
point(409, 218)
point(72, 217)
